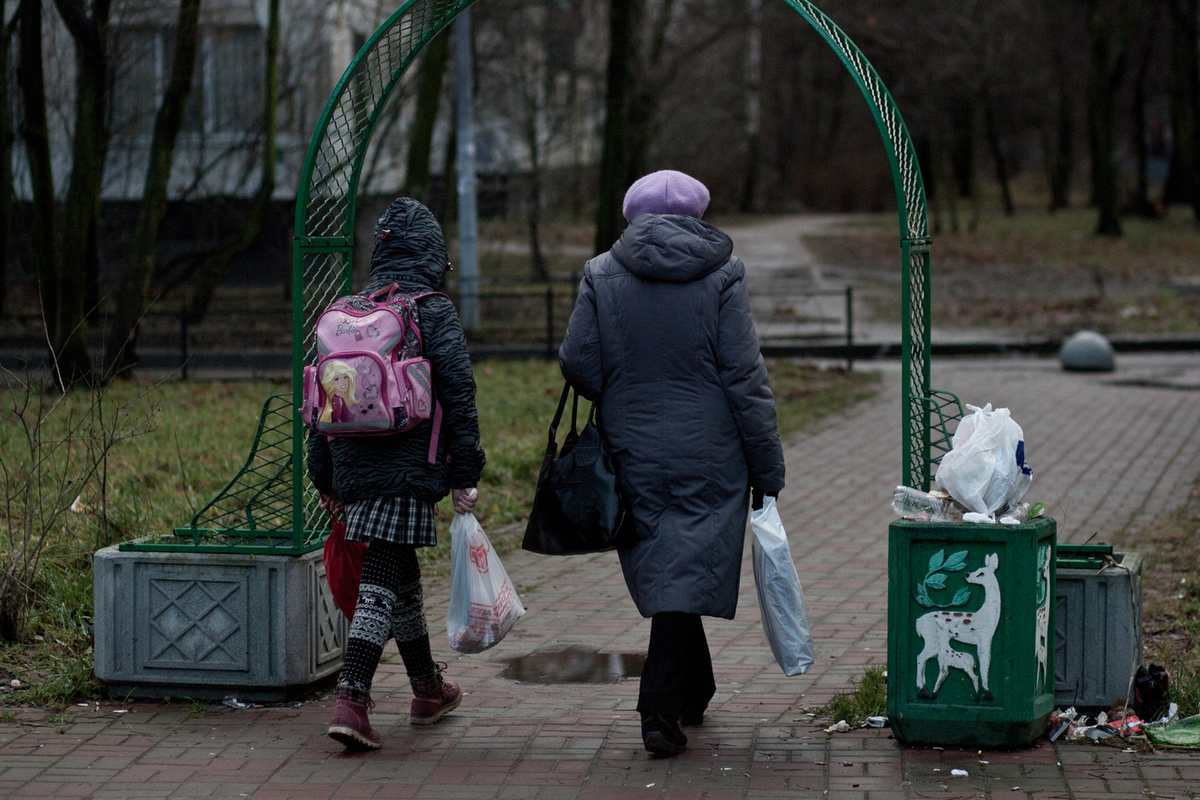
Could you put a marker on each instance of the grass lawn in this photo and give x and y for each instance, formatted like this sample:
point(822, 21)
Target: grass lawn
point(1171, 599)
point(188, 439)
point(1038, 274)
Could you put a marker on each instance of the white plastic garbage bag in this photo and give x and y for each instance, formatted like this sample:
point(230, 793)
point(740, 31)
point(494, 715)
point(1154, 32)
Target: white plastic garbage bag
point(483, 603)
point(779, 594)
point(985, 469)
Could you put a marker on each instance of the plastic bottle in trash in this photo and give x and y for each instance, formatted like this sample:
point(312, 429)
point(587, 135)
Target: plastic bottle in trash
point(914, 504)
point(1019, 513)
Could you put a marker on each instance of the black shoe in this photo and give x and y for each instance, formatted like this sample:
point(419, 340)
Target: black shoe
point(662, 736)
point(692, 717)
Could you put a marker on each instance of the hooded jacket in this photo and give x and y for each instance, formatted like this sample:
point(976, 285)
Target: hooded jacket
point(410, 251)
point(662, 335)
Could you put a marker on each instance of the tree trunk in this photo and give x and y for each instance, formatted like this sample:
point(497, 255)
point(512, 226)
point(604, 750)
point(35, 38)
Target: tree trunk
point(1062, 153)
point(1108, 44)
point(1058, 127)
point(7, 140)
point(429, 95)
point(537, 260)
point(1183, 180)
point(962, 144)
point(91, 269)
point(926, 156)
point(1139, 202)
point(447, 207)
point(753, 88)
point(993, 137)
point(120, 347)
point(82, 207)
point(615, 156)
point(35, 132)
point(214, 269)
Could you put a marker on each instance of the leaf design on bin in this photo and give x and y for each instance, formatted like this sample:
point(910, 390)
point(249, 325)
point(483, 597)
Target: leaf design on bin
point(935, 578)
point(956, 562)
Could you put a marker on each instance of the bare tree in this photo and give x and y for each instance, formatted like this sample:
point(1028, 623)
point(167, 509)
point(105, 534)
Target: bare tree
point(429, 93)
point(66, 336)
point(527, 64)
point(120, 347)
point(60, 446)
point(81, 210)
point(1111, 25)
point(255, 225)
point(1183, 180)
point(616, 156)
point(1139, 201)
point(1059, 124)
point(648, 52)
point(7, 140)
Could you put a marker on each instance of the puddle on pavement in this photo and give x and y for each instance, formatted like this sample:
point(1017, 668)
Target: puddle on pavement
point(574, 666)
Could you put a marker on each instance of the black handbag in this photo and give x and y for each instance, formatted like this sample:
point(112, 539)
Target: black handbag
point(578, 507)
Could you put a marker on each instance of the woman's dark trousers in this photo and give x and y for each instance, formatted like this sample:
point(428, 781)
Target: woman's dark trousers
point(677, 678)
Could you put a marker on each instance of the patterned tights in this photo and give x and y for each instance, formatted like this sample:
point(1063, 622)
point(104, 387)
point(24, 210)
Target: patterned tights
point(390, 604)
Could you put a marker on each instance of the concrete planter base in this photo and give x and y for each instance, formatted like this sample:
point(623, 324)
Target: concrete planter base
point(206, 625)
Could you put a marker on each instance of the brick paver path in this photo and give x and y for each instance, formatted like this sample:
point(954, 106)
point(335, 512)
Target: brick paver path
point(1107, 457)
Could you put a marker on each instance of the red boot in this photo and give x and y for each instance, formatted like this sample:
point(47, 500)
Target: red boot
point(350, 725)
point(433, 698)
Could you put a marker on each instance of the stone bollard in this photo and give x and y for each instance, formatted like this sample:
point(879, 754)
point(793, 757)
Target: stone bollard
point(1087, 351)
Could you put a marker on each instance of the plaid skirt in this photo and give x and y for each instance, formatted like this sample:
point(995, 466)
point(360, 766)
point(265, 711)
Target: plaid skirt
point(401, 520)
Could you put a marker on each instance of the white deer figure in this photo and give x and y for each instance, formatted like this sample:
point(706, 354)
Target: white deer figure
point(1043, 619)
point(940, 628)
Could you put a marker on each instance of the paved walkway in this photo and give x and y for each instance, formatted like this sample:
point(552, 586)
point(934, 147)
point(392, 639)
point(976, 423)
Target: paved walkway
point(1107, 457)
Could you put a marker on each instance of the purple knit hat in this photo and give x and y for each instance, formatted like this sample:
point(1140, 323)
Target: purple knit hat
point(665, 192)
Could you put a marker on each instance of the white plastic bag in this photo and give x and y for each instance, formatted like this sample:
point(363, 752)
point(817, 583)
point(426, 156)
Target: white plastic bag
point(780, 597)
point(483, 603)
point(985, 469)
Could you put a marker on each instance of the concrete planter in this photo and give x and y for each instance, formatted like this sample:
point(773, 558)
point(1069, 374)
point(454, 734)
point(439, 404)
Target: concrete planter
point(1098, 632)
point(206, 625)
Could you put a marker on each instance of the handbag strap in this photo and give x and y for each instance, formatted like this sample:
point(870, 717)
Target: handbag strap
point(562, 405)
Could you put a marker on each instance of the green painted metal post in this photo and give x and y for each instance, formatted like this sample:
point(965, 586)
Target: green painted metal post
point(298, 504)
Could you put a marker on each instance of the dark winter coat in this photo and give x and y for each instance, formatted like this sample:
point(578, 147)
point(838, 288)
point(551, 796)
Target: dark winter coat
point(662, 334)
point(411, 251)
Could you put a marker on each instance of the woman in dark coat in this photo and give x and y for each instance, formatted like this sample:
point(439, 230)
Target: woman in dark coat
point(662, 336)
point(388, 488)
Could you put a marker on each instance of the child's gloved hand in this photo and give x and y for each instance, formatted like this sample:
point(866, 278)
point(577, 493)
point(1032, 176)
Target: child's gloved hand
point(464, 500)
point(331, 503)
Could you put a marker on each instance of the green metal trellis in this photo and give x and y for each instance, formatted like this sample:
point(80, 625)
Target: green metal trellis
point(268, 506)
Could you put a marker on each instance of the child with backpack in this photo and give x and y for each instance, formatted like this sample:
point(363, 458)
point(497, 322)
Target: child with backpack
point(388, 483)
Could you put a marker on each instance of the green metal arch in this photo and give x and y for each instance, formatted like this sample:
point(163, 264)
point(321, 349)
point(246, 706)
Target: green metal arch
point(323, 246)
point(324, 228)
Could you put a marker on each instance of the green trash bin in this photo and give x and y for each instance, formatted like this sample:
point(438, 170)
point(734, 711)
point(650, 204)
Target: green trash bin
point(970, 653)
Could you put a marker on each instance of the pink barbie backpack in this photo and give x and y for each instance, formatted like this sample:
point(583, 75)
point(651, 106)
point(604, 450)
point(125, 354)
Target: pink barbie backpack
point(371, 376)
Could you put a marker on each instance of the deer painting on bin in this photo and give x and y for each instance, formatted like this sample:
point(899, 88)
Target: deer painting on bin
point(940, 628)
point(1042, 634)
